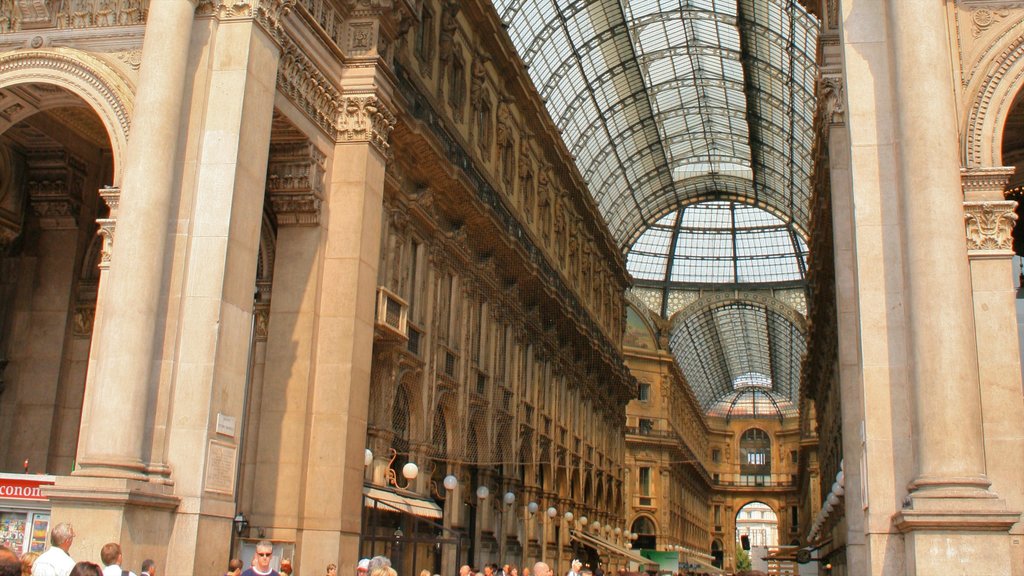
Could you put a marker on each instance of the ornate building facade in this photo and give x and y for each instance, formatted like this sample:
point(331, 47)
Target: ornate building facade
point(267, 266)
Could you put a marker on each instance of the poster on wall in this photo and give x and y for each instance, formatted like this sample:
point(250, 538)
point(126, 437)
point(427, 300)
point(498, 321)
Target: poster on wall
point(12, 529)
point(40, 524)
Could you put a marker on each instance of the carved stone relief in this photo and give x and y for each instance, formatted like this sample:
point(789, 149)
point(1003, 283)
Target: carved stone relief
point(365, 119)
point(990, 226)
point(18, 15)
point(295, 173)
point(54, 183)
point(267, 13)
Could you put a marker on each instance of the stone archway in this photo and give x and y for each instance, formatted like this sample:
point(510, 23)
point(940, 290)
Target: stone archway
point(109, 93)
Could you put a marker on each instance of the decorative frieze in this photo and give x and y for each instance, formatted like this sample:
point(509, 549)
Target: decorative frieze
point(985, 183)
point(295, 174)
point(990, 226)
point(18, 15)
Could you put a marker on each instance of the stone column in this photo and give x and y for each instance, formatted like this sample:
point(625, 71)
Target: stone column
point(943, 358)
point(125, 348)
point(949, 491)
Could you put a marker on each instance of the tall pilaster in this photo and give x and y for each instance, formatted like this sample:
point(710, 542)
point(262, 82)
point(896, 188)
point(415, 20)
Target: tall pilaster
point(949, 505)
point(342, 343)
point(989, 220)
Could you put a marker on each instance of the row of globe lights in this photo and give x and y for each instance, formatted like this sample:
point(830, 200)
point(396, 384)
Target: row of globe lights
point(410, 471)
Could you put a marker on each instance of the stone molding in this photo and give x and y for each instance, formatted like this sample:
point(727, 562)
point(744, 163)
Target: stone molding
point(989, 227)
point(985, 183)
point(295, 174)
point(267, 13)
point(343, 117)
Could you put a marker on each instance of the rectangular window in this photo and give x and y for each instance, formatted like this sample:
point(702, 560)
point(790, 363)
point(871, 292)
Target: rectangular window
point(794, 457)
point(646, 426)
point(716, 455)
point(425, 36)
point(718, 515)
point(644, 392)
point(645, 481)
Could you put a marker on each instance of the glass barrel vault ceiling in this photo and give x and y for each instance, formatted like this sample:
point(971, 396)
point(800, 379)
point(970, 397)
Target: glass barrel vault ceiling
point(674, 110)
point(741, 359)
point(665, 102)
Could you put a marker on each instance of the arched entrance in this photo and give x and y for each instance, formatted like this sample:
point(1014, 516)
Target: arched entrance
point(56, 160)
point(646, 531)
point(757, 529)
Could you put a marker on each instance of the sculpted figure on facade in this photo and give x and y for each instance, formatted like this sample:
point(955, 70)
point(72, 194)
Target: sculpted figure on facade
point(526, 183)
point(559, 236)
point(446, 39)
point(544, 204)
point(478, 75)
point(503, 136)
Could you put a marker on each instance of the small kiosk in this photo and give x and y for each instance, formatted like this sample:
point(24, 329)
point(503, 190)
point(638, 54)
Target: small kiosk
point(24, 512)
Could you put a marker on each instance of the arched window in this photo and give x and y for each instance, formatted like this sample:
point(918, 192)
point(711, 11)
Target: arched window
point(755, 458)
point(647, 539)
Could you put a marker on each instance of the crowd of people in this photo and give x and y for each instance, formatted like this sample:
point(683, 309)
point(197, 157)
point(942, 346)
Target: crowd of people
point(57, 560)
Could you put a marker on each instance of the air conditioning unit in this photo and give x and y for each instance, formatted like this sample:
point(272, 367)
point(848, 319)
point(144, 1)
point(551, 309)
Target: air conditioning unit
point(392, 314)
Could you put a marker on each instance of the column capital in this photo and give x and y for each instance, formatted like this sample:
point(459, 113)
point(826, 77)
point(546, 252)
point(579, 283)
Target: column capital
point(295, 175)
point(365, 118)
point(267, 13)
point(989, 227)
point(832, 95)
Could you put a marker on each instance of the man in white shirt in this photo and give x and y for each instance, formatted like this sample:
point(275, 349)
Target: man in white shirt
point(110, 554)
point(56, 561)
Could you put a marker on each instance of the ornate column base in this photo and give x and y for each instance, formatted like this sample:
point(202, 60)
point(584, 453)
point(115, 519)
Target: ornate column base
point(944, 533)
point(139, 515)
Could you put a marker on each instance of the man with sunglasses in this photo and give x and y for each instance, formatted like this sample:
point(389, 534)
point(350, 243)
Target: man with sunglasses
point(261, 563)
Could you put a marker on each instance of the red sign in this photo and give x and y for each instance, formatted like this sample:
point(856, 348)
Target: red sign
point(22, 488)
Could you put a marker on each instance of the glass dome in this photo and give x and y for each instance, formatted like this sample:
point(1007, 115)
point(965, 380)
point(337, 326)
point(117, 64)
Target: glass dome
point(718, 242)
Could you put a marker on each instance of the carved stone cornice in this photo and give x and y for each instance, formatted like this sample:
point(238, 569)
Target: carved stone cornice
point(365, 118)
point(989, 227)
point(985, 183)
point(267, 13)
point(295, 174)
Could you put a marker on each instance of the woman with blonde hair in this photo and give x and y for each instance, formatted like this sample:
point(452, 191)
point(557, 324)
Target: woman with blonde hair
point(27, 560)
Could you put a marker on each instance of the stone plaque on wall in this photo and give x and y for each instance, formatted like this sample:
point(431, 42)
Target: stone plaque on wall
point(220, 468)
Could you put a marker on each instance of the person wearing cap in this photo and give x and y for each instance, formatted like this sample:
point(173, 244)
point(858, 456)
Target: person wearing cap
point(363, 568)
